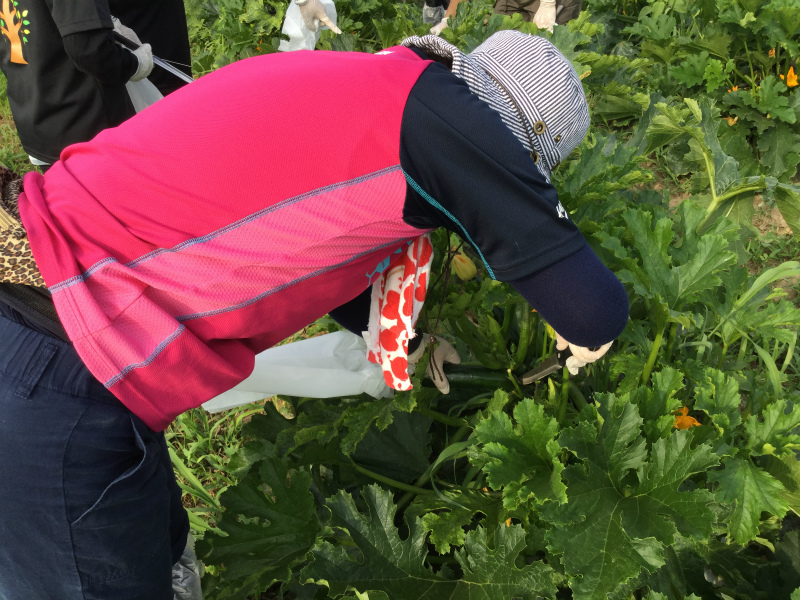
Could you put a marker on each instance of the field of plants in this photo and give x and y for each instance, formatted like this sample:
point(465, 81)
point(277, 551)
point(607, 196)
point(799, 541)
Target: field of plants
point(668, 469)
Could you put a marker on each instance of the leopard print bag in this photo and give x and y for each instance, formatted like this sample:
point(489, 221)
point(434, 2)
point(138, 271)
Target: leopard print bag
point(16, 259)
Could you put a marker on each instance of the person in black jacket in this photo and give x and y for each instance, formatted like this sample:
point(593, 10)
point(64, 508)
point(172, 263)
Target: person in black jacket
point(66, 74)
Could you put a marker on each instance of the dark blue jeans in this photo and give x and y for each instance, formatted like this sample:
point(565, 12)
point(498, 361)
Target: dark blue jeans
point(89, 506)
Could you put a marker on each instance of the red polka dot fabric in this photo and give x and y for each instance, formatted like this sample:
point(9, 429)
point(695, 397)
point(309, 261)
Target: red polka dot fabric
point(397, 298)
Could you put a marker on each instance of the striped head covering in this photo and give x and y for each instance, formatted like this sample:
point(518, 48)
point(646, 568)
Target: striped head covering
point(530, 83)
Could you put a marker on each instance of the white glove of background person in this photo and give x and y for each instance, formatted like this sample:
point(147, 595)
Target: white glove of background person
point(545, 17)
point(144, 54)
point(443, 353)
point(313, 13)
point(125, 31)
point(439, 27)
point(580, 356)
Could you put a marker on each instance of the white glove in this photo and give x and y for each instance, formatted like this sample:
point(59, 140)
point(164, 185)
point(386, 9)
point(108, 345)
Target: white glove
point(144, 54)
point(545, 17)
point(313, 13)
point(580, 356)
point(125, 31)
point(439, 27)
point(443, 353)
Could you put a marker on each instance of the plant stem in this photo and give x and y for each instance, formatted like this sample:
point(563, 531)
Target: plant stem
point(748, 188)
point(426, 476)
point(722, 356)
point(742, 349)
point(750, 62)
point(508, 313)
point(578, 399)
point(518, 389)
point(562, 408)
point(442, 418)
point(524, 334)
point(717, 200)
point(651, 360)
point(673, 332)
point(411, 489)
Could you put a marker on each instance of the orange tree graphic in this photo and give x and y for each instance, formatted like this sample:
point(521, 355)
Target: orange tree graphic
point(10, 23)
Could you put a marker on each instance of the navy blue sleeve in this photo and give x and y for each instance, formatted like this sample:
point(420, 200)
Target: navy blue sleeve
point(467, 172)
point(580, 298)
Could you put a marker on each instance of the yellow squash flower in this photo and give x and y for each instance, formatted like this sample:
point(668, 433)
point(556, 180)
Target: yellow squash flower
point(772, 53)
point(463, 265)
point(684, 421)
point(791, 78)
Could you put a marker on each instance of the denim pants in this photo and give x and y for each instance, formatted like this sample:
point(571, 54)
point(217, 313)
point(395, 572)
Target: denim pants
point(89, 506)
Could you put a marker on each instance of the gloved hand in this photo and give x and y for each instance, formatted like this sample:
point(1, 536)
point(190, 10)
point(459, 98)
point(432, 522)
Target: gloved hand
point(443, 353)
point(313, 13)
point(439, 27)
point(545, 17)
point(125, 31)
point(144, 54)
point(580, 356)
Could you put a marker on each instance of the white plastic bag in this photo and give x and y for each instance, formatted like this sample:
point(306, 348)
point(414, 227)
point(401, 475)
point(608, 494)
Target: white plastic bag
point(326, 366)
point(142, 93)
point(300, 38)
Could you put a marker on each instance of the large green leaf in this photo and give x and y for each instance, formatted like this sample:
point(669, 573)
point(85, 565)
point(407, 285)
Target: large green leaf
point(617, 524)
point(726, 169)
point(786, 470)
point(652, 241)
point(780, 148)
point(520, 458)
point(657, 404)
point(770, 99)
point(446, 517)
point(270, 522)
point(773, 428)
point(401, 451)
point(749, 491)
point(656, 275)
point(394, 566)
point(690, 71)
point(719, 397)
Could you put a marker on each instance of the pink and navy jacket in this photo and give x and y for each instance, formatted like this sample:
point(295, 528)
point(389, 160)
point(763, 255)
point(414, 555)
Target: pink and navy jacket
point(223, 219)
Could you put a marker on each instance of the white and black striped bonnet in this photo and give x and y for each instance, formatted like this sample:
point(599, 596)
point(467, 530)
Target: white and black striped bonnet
point(541, 81)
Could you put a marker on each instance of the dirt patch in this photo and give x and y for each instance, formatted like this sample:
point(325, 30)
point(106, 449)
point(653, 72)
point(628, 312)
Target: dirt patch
point(675, 198)
point(768, 219)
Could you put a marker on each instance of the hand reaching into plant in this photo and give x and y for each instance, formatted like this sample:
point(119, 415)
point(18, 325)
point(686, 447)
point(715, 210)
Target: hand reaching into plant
point(580, 356)
point(313, 13)
point(545, 17)
point(443, 353)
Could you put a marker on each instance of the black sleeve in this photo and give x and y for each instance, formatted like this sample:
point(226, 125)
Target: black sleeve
point(466, 171)
point(72, 16)
point(95, 53)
